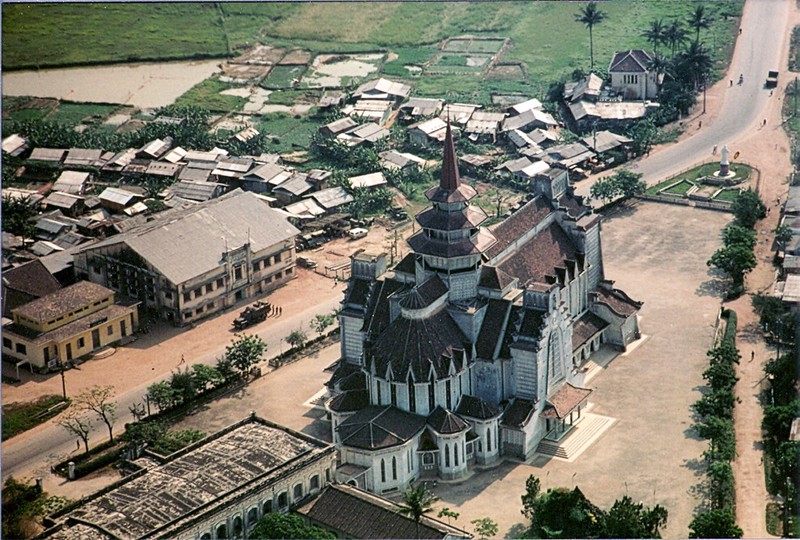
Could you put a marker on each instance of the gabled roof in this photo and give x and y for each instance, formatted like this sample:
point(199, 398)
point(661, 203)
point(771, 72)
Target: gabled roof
point(374, 427)
point(196, 191)
point(445, 422)
point(532, 103)
point(331, 197)
point(349, 401)
point(383, 86)
point(515, 225)
point(603, 141)
point(494, 323)
point(47, 154)
point(26, 282)
point(475, 407)
point(61, 199)
point(118, 196)
point(297, 185)
point(182, 244)
point(619, 302)
point(370, 180)
point(585, 328)
point(355, 513)
point(63, 301)
point(494, 278)
point(15, 144)
point(424, 295)
point(631, 61)
point(518, 413)
point(538, 259)
point(72, 182)
point(407, 264)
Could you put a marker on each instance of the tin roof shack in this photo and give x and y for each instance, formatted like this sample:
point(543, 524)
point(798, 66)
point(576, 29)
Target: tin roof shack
point(155, 149)
point(483, 126)
point(418, 108)
point(195, 191)
point(354, 513)
point(368, 134)
point(91, 158)
point(163, 169)
point(25, 283)
point(218, 487)
point(192, 262)
point(458, 113)
point(117, 199)
point(394, 160)
point(374, 110)
point(342, 125)
point(427, 132)
point(383, 89)
point(67, 324)
point(15, 145)
point(51, 156)
point(604, 142)
point(69, 204)
point(609, 114)
point(588, 88)
point(73, 182)
point(294, 188)
point(264, 177)
point(371, 180)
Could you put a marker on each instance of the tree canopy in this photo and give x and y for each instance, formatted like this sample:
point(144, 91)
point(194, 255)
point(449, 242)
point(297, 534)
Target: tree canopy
point(276, 525)
point(245, 350)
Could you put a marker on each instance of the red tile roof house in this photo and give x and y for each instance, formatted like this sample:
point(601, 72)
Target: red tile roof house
point(470, 349)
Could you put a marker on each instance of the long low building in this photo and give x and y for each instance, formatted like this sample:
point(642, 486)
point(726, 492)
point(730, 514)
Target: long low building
point(216, 488)
point(189, 263)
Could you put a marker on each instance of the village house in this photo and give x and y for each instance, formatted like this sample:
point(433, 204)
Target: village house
point(373, 110)
point(67, 324)
point(483, 126)
point(368, 181)
point(394, 160)
point(368, 134)
point(186, 264)
point(631, 76)
point(215, 489)
point(186, 190)
point(416, 108)
point(86, 157)
point(342, 125)
point(117, 199)
point(382, 89)
point(155, 149)
point(427, 132)
point(458, 113)
point(15, 145)
point(73, 182)
point(471, 348)
point(51, 156)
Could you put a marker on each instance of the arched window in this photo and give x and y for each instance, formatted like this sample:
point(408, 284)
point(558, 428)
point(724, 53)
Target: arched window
point(378, 384)
point(252, 517)
point(393, 390)
point(383, 471)
point(222, 531)
point(283, 500)
point(412, 395)
point(455, 453)
point(394, 468)
point(298, 492)
point(238, 527)
point(314, 482)
point(266, 508)
point(206, 536)
point(446, 455)
point(488, 440)
point(448, 391)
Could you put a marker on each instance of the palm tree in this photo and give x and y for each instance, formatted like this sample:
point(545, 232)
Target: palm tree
point(699, 19)
point(696, 62)
point(655, 34)
point(590, 16)
point(417, 501)
point(675, 34)
point(660, 66)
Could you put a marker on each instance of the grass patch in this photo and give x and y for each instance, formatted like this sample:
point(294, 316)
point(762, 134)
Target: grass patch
point(290, 133)
point(774, 519)
point(76, 113)
point(486, 46)
point(727, 195)
point(407, 56)
point(207, 95)
point(21, 115)
point(291, 97)
point(794, 50)
point(282, 76)
point(19, 417)
point(681, 188)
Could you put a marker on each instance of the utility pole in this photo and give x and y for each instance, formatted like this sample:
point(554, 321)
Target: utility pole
point(63, 380)
point(795, 96)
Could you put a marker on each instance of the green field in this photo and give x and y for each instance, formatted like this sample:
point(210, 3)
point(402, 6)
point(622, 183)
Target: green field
point(67, 34)
point(291, 134)
point(282, 76)
point(207, 95)
point(76, 113)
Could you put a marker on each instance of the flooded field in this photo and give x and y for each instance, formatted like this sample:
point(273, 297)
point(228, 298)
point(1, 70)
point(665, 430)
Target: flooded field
point(141, 85)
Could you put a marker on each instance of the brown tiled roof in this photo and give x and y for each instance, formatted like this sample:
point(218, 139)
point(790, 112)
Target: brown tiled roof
point(419, 345)
point(25, 283)
point(540, 256)
point(566, 399)
point(359, 514)
point(445, 422)
point(586, 328)
point(374, 427)
point(492, 328)
point(518, 223)
point(350, 401)
point(424, 295)
point(618, 301)
point(518, 413)
point(462, 193)
point(494, 278)
point(481, 243)
point(440, 220)
point(63, 301)
point(407, 265)
point(475, 407)
point(68, 330)
point(573, 205)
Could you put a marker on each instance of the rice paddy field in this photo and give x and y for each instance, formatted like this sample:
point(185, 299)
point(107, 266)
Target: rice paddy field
point(39, 35)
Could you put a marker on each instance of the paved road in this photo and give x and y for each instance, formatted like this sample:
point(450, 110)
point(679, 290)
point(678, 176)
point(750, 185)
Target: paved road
point(757, 51)
point(28, 453)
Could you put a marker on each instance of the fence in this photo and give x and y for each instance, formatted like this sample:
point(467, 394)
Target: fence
point(709, 205)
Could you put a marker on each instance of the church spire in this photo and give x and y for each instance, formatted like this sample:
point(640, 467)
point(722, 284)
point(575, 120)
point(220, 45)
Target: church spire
point(450, 179)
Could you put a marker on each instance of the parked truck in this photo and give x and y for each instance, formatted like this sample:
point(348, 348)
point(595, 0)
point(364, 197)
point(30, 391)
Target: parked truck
point(251, 315)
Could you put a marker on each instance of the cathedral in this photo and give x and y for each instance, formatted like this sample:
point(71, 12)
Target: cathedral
point(472, 347)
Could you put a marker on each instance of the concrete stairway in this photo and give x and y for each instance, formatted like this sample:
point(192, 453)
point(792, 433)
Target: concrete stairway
point(582, 436)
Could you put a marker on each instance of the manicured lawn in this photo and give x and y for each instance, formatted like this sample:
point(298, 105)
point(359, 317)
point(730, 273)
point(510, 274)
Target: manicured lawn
point(207, 95)
point(19, 417)
point(728, 195)
point(680, 189)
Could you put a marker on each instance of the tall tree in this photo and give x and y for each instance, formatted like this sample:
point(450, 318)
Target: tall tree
point(79, 425)
point(694, 64)
point(245, 350)
point(627, 519)
point(485, 527)
point(417, 501)
point(99, 400)
point(675, 34)
point(17, 215)
point(736, 261)
point(590, 16)
point(655, 34)
point(321, 321)
point(699, 20)
point(296, 338)
point(277, 525)
point(749, 208)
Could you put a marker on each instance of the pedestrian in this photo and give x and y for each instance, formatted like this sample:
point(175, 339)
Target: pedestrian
point(768, 209)
point(770, 93)
point(78, 444)
point(740, 30)
point(699, 124)
point(731, 81)
point(183, 360)
point(714, 150)
point(752, 355)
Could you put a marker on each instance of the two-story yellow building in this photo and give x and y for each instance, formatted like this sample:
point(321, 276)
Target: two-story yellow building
point(67, 324)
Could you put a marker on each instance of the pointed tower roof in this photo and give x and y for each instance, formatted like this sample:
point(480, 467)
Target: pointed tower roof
point(450, 188)
point(450, 179)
